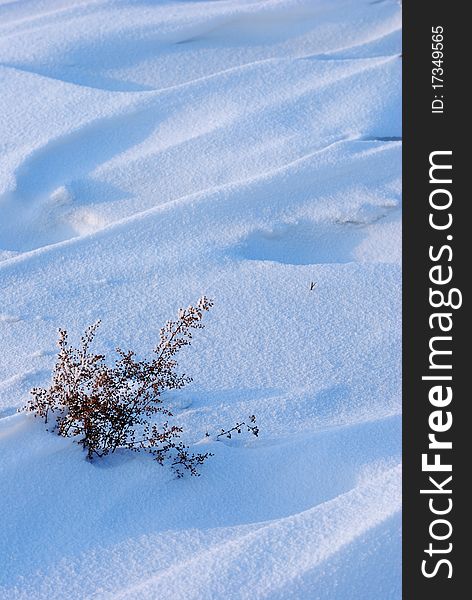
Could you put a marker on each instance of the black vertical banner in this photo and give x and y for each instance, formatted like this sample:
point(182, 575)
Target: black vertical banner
point(436, 250)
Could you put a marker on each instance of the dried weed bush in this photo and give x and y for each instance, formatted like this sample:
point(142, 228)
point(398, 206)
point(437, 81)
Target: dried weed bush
point(111, 407)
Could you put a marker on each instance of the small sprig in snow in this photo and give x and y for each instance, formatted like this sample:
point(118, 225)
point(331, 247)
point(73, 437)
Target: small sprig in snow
point(250, 427)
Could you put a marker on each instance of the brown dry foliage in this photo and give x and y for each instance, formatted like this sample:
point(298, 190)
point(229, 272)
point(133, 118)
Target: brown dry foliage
point(111, 407)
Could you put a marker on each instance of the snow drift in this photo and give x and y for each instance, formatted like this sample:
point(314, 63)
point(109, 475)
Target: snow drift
point(153, 152)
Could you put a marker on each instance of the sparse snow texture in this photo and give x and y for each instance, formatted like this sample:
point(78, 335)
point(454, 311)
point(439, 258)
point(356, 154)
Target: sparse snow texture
point(155, 151)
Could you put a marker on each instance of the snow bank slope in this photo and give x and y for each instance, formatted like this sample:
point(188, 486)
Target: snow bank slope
point(153, 152)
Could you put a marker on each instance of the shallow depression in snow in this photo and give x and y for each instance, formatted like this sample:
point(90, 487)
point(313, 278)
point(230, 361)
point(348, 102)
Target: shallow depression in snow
point(305, 243)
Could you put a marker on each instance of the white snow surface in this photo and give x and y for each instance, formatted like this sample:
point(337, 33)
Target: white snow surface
point(156, 151)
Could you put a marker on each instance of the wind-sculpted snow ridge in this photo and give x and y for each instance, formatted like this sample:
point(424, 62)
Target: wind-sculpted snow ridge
point(152, 152)
point(185, 542)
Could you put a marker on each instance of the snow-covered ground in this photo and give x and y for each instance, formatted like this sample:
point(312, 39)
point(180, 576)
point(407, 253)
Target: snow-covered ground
point(155, 151)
